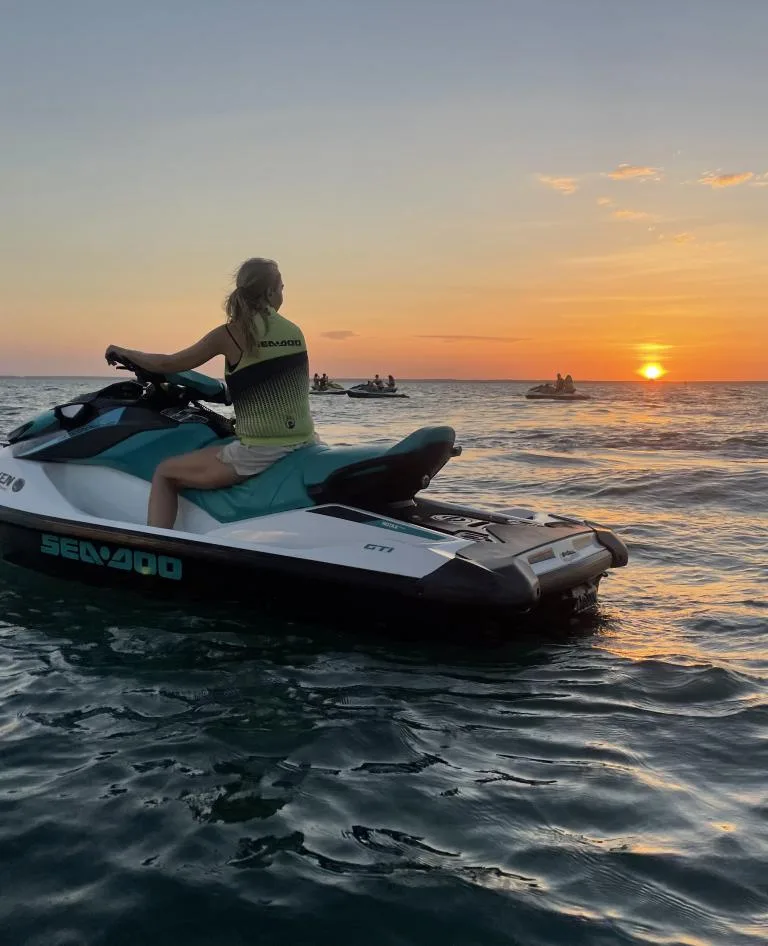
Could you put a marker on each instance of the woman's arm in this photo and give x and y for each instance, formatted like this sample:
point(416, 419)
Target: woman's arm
point(216, 342)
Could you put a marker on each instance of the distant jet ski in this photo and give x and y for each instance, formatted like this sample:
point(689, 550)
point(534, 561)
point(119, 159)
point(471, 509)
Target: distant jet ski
point(548, 392)
point(372, 391)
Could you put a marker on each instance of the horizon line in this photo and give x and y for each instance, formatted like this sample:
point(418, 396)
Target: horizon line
point(647, 381)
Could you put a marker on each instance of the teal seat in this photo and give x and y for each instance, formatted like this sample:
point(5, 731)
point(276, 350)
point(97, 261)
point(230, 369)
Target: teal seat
point(280, 487)
point(318, 473)
point(306, 476)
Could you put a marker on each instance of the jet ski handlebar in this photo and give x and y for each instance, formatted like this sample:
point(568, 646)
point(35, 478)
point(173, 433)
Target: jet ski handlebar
point(124, 364)
point(196, 386)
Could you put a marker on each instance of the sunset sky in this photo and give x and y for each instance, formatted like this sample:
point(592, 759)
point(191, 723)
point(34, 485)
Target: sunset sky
point(495, 189)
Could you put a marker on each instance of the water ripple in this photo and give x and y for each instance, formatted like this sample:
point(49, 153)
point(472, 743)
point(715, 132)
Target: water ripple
point(169, 775)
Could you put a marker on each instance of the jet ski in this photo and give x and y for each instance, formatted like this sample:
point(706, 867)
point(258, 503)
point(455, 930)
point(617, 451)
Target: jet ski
point(331, 388)
point(332, 526)
point(371, 391)
point(548, 392)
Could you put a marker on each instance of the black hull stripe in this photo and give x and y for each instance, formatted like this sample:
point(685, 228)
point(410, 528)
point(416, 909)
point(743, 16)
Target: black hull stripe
point(206, 552)
point(249, 572)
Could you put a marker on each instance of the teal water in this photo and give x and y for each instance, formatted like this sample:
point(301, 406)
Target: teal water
point(170, 775)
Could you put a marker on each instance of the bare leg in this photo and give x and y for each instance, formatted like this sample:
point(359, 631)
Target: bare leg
point(199, 470)
point(163, 501)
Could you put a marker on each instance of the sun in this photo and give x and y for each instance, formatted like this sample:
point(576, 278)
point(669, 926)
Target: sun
point(652, 371)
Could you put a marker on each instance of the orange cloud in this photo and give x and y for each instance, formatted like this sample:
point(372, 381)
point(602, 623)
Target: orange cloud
point(628, 172)
point(339, 335)
point(565, 185)
point(631, 215)
point(727, 180)
point(604, 202)
point(680, 238)
point(476, 338)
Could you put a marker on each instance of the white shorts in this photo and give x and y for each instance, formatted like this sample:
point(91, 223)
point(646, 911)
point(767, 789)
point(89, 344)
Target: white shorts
point(249, 461)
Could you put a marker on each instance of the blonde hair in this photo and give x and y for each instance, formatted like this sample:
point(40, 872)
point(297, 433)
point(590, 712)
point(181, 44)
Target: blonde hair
point(247, 306)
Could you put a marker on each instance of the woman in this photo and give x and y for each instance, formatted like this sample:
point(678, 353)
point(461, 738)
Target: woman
point(267, 371)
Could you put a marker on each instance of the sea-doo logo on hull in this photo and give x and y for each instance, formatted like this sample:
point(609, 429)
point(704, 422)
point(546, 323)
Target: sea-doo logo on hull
point(13, 483)
point(283, 343)
point(126, 560)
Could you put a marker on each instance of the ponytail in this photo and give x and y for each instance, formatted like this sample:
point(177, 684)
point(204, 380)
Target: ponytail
point(247, 306)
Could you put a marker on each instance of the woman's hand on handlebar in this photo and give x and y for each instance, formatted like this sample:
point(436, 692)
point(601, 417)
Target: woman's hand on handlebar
point(115, 355)
point(131, 360)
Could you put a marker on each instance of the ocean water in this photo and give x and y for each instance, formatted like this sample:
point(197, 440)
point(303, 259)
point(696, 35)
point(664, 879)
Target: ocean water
point(170, 775)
